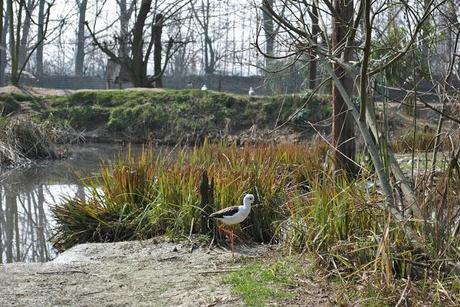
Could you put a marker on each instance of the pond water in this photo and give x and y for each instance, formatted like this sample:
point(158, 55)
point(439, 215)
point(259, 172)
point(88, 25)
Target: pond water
point(26, 195)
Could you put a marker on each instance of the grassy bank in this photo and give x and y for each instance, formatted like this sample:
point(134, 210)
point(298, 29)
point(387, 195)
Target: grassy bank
point(181, 115)
point(339, 223)
point(170, 116)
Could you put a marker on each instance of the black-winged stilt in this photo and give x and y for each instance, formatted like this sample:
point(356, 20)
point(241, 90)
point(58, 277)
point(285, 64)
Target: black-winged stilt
point(233, 215)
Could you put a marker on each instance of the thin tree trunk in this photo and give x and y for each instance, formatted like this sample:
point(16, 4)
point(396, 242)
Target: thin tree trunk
point(25, 32)
point(125, 15)
point(80, 53)
point(315, 30)
point(139, 67)
point(269, 34)
point(1, 71)
point(13, 52)
point(40, 34)
point(157, 48)
point(343, 127)
point(1, 222)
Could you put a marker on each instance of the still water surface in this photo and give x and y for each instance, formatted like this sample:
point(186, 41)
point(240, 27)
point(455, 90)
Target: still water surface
point(26, 195)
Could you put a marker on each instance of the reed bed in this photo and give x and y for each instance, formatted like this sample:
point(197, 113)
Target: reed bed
point(422, 141)
point(299, 203)
point(22, 140)
point(160, 193)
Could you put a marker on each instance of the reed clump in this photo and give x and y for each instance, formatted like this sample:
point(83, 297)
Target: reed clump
point(23, 139)
point(156, 194)
point(423, 140)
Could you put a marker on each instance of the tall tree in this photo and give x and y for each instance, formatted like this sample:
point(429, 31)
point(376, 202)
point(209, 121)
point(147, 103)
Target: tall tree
point(125, 15)
point(157, 30)
point(15, 38)
point(40, 38)
point(24, 45)
point(343, 134)
point(80, 51)
point(315, 32)
point(269, 34)
point(2, 50)
point(203, 17)
point(135, 63)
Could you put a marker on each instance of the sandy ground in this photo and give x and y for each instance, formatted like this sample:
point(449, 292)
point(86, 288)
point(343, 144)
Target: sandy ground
point(139, 273)
point(124, 274)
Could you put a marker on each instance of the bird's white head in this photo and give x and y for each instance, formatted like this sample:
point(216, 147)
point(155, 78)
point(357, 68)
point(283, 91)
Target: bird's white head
point(248, 200)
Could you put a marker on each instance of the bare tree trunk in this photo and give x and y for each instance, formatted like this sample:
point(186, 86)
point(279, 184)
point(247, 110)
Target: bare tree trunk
point(25, 32)
point(209, 53)
point(313, 62)
point(80, 53)
point(269, 34)
point(40, 36)
point(209, 65)
point(343, 127)
point(1, 211)
point(157, 48)
point(14, 40)
point(2, 55)
point(139, 67)
point(125, 15)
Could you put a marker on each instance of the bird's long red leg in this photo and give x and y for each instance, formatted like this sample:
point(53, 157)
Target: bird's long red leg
point(225, 231)
point(232, 244)
point(230, 235)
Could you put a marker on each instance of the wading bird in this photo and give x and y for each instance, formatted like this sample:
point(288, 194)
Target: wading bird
point(233, 215)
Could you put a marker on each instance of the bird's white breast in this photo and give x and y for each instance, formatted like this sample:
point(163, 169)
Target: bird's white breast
point(240, 216)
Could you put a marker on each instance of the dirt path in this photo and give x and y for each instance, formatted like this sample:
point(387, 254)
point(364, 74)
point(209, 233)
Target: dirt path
point(122, 274)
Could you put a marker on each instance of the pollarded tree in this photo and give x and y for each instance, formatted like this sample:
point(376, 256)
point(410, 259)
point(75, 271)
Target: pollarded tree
point(149, 22)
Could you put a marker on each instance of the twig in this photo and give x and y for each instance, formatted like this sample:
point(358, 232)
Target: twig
point(218, 271)
point(403, 294)
point(61, 272)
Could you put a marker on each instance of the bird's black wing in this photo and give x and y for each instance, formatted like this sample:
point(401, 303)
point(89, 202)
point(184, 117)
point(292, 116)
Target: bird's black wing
point(225, 212)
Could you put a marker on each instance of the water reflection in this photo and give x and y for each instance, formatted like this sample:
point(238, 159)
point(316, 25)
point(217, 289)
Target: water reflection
point(26, 195)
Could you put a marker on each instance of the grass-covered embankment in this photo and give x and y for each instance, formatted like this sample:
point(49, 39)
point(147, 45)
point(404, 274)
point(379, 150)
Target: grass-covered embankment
point(341, 223)
point(172, 116)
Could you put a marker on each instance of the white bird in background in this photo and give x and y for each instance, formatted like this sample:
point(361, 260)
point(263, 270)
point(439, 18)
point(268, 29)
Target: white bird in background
point(233, 215)
point(251, 91)
point(204, 87)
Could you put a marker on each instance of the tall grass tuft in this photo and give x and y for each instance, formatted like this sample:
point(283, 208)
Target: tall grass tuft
point(423, 141)
point(23, 139)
